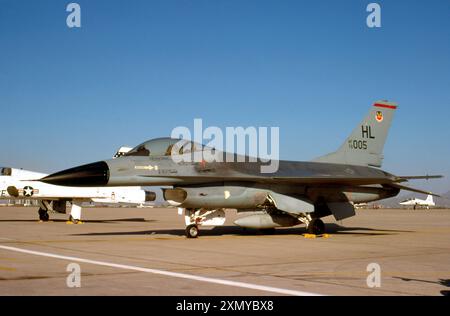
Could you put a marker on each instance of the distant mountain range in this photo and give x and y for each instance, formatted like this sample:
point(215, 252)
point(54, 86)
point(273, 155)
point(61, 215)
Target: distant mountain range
point(443, 201)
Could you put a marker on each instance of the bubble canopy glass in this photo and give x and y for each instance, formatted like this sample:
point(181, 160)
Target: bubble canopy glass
point(163, 147)
point(6, 171)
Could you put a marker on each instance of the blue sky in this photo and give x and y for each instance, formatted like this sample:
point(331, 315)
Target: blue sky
point(135, 70)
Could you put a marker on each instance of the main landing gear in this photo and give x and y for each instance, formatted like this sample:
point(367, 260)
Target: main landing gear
point(59, 206)
point(43, 215)
point(314, 226)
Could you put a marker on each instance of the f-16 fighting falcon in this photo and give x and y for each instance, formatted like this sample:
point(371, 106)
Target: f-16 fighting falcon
point(297, 192)
point(13, 185)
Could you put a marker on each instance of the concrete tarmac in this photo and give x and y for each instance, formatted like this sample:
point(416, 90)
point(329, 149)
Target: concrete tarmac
point(132, 251)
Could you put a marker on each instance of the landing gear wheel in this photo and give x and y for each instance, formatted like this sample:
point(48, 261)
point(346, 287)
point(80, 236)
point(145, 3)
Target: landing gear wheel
point(192, 231)
point(316, 227)
point(43, 215)
point(73, 220)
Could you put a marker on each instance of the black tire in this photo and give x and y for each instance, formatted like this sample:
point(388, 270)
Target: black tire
point(192, 231)
point(43, 215)
point(73, 220)
point(316, 227)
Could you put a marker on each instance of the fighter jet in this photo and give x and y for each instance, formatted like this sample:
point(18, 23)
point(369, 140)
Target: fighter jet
point(13, 185)
point(297, 192)
point(415, 202)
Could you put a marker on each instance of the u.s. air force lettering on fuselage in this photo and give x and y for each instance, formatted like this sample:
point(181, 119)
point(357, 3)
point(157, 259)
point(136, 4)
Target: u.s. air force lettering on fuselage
point(167, 171)
point(157, 169)
point(366, 132)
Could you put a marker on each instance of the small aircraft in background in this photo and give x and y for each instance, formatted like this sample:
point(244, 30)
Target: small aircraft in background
point(54, 198)
point(415, 202)
point(15, 185)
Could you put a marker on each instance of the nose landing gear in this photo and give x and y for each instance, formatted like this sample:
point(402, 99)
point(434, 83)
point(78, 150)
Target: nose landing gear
point(192, 231)
point(201, 217)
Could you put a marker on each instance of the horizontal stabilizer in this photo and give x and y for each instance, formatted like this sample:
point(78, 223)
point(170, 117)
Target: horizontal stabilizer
point(403, 187)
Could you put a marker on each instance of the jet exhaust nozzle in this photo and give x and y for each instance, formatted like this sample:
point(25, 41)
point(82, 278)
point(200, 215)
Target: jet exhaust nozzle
point(90, 175)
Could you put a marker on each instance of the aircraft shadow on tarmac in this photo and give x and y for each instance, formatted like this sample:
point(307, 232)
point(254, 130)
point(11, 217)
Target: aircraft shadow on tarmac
point(334, 229)
point(443, 282)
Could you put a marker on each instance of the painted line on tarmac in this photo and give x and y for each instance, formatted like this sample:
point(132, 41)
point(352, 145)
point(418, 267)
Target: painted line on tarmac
point(166, 273)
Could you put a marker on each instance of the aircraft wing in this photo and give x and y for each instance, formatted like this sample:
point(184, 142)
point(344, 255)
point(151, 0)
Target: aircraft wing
point(332, 180)
point(324, 179)
point(404, 187)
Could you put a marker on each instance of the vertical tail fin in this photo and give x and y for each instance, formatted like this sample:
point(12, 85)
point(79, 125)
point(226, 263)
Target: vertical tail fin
point(365, 144)
point(429, 198)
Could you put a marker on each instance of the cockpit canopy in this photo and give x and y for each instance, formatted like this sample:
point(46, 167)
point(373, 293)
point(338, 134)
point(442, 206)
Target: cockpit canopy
point(6, 171)
point(165, 147)
point(20, 174)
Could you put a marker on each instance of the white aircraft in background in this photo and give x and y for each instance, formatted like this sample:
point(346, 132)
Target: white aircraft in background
point(15, 184)
point(419, 202)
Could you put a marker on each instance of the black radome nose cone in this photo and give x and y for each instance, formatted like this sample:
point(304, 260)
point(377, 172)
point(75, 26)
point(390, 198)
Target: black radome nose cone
point(90, 175)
